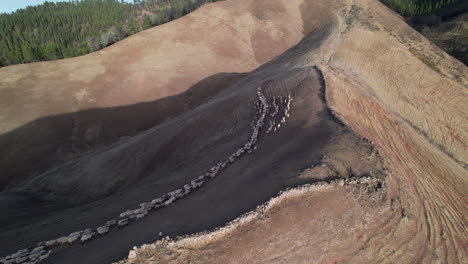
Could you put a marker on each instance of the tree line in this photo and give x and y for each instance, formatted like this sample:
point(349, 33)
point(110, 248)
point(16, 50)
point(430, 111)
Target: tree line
point(418, 7)
point(66, 29)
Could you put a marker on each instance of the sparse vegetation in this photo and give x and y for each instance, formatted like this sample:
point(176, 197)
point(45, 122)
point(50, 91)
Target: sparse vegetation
point(451, 36)
point(441, 21)
point(369, 24)
point(353, 15)
point(418, 7)
point(425, 59)
point(66, 29)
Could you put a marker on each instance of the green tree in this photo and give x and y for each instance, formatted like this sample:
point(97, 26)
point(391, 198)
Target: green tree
point(27, 50)
point(418, 7)
point(48, 51)
point(18, 55)
point(133, 26)
point(65, 29)
point(146, 22)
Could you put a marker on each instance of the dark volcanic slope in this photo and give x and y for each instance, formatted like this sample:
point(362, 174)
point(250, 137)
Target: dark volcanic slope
point(169, 155)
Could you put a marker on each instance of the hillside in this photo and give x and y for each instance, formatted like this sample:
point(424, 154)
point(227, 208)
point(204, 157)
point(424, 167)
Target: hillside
point(145, 75)
point(443, 22)
point(67, 29)
point(350, 118)
point(406, 117)
point(451, 35)
point(419, 7)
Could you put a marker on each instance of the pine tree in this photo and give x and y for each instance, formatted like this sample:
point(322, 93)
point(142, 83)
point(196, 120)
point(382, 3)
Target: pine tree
point(146, 22)
point(27, 52)
point(77, 27)
point(418, 7)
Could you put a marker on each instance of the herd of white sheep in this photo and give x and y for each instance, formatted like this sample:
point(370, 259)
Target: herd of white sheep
point(40, 252)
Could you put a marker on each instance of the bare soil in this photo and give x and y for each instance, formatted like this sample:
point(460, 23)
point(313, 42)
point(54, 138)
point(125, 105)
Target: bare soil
point(379, 82)
point(354, 69)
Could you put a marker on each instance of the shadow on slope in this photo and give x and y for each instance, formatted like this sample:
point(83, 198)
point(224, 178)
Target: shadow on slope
point(39, 145)
point(166, 156)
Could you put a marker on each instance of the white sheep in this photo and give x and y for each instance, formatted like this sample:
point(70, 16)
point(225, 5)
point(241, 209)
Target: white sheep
point(76, 233)
point(168, 202)
point(72, 239)
point(111, 223)
point(123, 222)
point(51, 243)
point(157, 201)
point(102, 230)
point(36, 255)
point(44, 256)
point(62, 240)
point(21, 259)
point(87, 237)
point(37, 249)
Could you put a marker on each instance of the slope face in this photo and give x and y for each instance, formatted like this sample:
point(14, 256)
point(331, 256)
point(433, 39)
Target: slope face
point(269, 106)
point(421, 219)
point(381, 82)
point(41, 103)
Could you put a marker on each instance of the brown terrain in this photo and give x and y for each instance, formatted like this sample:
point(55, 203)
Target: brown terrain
point(369, 164)
point(58, 101)
point(451, 35)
